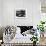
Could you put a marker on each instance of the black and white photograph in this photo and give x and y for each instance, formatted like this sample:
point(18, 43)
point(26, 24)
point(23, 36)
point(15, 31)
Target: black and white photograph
point(21, 13)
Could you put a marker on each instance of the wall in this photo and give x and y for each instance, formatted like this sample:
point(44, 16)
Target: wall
point(32, 8)
point(0, 12)
point(1, 17)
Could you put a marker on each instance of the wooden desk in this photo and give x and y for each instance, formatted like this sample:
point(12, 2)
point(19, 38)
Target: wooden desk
point(42, 41)
point(16, 44)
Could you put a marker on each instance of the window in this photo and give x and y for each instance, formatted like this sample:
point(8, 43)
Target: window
point(43, 6)
point(43, 10)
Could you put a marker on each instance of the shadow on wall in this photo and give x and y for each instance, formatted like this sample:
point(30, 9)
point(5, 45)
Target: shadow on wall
point(1, 32)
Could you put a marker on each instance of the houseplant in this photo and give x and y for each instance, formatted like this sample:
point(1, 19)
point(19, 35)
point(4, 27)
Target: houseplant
point(34, 39)
point(41, 27)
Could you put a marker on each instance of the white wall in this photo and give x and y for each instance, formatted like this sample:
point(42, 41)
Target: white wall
point(0, 12)
point(32, 7)
point(36, 12)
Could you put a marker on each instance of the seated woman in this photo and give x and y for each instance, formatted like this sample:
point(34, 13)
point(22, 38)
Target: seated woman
point(24, 35)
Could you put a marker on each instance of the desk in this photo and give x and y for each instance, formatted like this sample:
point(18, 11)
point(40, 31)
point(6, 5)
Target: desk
point(42, 41)
point(16, 44)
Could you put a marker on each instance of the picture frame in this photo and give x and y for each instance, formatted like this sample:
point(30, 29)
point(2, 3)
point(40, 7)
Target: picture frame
point(20, 13)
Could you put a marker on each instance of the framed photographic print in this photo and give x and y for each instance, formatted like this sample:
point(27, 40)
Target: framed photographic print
point(20, 13)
